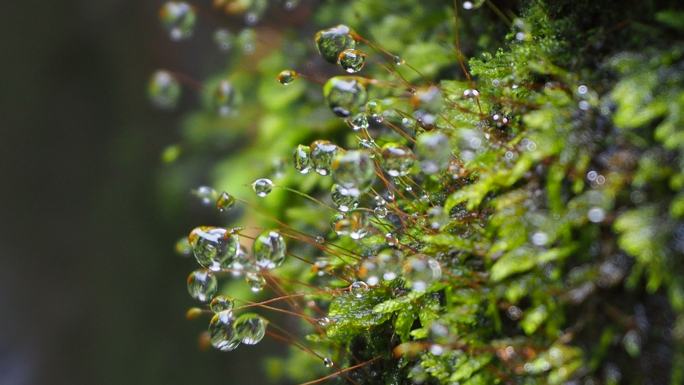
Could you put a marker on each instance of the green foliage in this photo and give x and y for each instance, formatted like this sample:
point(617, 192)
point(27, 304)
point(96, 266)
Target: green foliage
point(546, 245)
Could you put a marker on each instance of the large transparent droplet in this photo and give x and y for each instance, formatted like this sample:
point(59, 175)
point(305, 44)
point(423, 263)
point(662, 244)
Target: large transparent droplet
point(332, 41)
point(344, 94)
point(262, 187)
point(163, 90)
point(178, 18)
point(355, 225)
point(269, 249)
point(434, 151)
point(224, 98)
point(322, 154)
point(250, 328)
point(352, 60)
point(255, 281)
point(302, 159)
point(358, 289)
point(213, 247)
point(202, 285)
point(345, 199)
point(222, 333)
point(353, 169)
point(421, 272)
point(221, 303)
point(397, 160)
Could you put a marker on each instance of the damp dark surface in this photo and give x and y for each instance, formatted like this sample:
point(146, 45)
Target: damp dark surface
point(90, 289)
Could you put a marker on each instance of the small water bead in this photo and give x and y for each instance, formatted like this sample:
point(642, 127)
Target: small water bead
point(380, 211)
point(285, 77)
point(475, 4)
point(374, 110)
point(224, 39)
point(246, 40)
point(202, 285)
point(353, 169)
point(269, 249)
point(434, 151)
point(322, 154)
point(213, 247)
point(332, 41)
point(324, 322)
point(178, 18)
point(352, 60)
point(397, 160)
point(471, 93)
point(398, 60)
point(221, 303)
point(358, 289)
point(290, 4)
point(359, 122)
point(224, 98)
point(250, 328)
point(391, 239)
point(255, 281)
point(345, 199)
point(183, 248)
point(437, 217)
point(344, 94)
point(164, 90)
point(241, 262)
point(355, 225)
point(302, 159)
point(222, 332)
point(262, 187)
point(225, 202)
point(328, 362)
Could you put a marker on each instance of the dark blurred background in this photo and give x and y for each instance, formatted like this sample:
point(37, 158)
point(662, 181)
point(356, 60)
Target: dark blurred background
point(90, 289)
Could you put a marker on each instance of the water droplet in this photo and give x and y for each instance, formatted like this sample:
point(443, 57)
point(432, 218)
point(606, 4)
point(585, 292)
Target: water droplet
point(222, 333)
point(290, 4)
point(345, 199)
point(359, 122)
point(421, 272)
point(332, 41)
point(269, 249)
point(596, 214)
point(352, 60)
point(471, 93)
point(475, 4)
point(374, 110)
point(178, 18)
point(322, 154)
point(250, 328)
point(262, 187)
point(434, 151)
point(437, 217)
point(380, 211)
point(164, 90)
point(214, 247)
point(358, 289)
point(221, 303)
point(224, 98)
point(302, 159)
point(353, 169)
point(202, 285)
point(323, 322)
point(286, 77)
point(241, 262)
point(255, 281)
point(344, 94)
point(225, 202)
point(398, 160)
point(224, 39)
point(206, 195)
point(183, 247)
point(398, 60)
point(328, 362)
point(391, 239)
point(355, 225)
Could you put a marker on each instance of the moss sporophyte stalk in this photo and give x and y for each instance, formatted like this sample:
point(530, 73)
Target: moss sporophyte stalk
point(477, 192)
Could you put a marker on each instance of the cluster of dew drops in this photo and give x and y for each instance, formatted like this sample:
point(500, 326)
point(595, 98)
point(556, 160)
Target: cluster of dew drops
point(354, 172)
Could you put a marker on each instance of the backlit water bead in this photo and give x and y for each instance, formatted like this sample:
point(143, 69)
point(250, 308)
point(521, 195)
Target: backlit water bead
point(269, 249)
point(178, 18)
point(222, 333)
point(202, 285)
point(344, 94)
point(164, 90)
point(359, 122)
point(221, 303)
point(374, 111)
point(223, 98)
point(322, 154)
point(332, 41)
point(224, 39)
point(255, 281)
point(250, 328)
point(213, 247)
point(352, 60)
point(358, 289)
point(345, 199)
point(302, 159)
point(353, 169)
point(241, 262)
point(205, 194)
point(355, 225)
point(328, 362)
point(434, 151)
point(397, 160)
point(262, 187)
point(225, 202)
point(380, 211)
point(286, 77)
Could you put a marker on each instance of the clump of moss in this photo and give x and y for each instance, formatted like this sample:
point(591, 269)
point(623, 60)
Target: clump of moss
point(506, 200)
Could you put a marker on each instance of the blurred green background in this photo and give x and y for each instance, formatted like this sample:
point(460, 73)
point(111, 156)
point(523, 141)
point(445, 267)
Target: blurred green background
point(90, 289)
